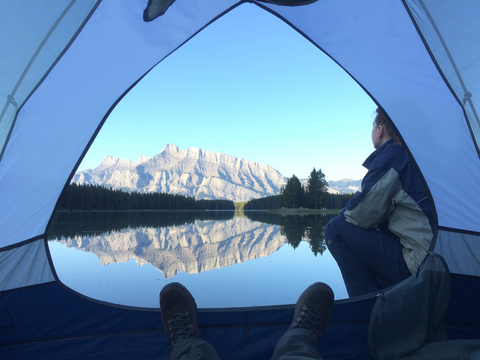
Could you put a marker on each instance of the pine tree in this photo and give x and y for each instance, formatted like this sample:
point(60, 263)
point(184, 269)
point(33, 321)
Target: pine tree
point(316, 187)
point(293, 194)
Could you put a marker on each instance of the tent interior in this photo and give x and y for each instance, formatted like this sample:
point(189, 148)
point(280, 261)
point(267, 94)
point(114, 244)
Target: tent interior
point(65, 71)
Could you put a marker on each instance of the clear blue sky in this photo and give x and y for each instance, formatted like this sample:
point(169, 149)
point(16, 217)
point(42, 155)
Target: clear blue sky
point(251, 87)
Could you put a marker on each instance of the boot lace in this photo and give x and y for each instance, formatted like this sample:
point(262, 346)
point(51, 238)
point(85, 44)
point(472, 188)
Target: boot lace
point(181, 328)
point(310, 319)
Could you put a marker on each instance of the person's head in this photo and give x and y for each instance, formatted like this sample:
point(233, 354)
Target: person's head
point(383, 129)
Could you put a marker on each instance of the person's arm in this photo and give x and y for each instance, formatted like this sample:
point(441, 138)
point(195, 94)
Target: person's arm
point(373, 203)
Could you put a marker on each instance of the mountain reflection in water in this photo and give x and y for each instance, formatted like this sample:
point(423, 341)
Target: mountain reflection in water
point(190, 242)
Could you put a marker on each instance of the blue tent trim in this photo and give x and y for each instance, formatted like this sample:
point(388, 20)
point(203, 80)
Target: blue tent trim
point(49, 321)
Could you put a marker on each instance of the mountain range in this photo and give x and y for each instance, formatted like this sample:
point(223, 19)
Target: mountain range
point(195, 172)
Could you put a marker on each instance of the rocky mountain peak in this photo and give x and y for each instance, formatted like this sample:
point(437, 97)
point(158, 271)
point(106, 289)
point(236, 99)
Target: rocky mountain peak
point(195, 172)
point(171, 149)
point(142, 159)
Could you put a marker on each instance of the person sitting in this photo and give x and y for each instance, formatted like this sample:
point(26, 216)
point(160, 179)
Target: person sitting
point(383, 234)
point(312, 314)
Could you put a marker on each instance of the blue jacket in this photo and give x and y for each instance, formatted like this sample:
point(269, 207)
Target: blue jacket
point(393, 200)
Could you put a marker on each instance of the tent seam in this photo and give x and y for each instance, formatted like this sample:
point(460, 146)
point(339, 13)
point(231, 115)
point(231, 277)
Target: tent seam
point(22, 243)
point(46, 74)
point(459, 231)
point(437, 66)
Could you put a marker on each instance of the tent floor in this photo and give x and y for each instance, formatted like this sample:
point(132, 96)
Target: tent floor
point(49, 321)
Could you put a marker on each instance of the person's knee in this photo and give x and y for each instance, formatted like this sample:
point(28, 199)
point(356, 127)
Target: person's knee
point(329, 228)
point(331, 231)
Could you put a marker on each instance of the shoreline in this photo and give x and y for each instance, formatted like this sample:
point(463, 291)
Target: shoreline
point(290, 211)
point(293, 211)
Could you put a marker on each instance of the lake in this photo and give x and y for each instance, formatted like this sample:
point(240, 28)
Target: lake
point(225, 259)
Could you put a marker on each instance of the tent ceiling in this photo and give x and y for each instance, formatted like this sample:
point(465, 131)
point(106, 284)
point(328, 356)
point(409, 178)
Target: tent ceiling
point(375, 41)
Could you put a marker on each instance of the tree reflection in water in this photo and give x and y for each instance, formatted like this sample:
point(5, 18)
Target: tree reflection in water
point(298, 227)
point(294, 227)
point(185, 246)
point(77, 223)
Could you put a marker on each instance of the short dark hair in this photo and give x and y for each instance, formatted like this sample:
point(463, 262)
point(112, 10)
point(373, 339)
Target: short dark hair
point(382, 119)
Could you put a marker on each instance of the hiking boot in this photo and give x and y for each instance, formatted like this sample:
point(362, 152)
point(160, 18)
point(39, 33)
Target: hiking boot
point(313, 309)
point(179, 313)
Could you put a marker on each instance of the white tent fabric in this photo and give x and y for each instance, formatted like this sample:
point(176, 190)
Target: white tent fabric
point(113, 52)
point(451, 30)
point(30, 44)
point(375, 41)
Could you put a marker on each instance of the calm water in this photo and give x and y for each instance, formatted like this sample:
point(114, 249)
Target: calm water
point(225, 259)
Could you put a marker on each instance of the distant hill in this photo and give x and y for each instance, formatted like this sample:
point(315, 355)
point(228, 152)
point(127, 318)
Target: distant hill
point(194, 172)
point(345, 186)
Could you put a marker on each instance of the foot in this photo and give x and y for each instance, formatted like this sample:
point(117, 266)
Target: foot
point(313, 309)
point(179, 313)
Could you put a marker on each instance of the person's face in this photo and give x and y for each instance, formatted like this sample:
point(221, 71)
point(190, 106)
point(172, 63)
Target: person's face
point(376, 132)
